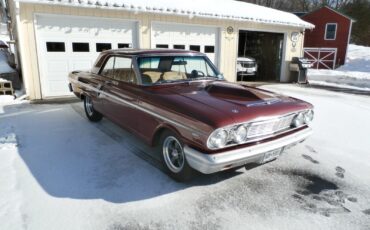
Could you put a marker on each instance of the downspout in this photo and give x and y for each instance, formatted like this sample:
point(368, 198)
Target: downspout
point(20, 48)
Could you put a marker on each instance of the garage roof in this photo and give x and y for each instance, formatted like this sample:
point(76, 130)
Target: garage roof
point(223, 9)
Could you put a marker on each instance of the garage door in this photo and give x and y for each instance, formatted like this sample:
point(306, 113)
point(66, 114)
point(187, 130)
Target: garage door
point(71, 43)
point(179, 36)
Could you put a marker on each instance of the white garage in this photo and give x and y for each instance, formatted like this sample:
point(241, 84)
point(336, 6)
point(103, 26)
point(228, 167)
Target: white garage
point(54, 37)
point(179, 36)
point(70, 43)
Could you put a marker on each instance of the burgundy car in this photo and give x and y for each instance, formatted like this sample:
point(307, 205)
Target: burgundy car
point(178, 101)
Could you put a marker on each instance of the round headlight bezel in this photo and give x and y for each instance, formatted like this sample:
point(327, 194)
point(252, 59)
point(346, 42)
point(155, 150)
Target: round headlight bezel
point(213, 143)
point(239, 134)
point(308, 116)
point(298, 120)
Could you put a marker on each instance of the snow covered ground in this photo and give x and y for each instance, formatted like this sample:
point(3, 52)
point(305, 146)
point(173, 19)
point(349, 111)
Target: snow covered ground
point(59, 171)
point(355, 74)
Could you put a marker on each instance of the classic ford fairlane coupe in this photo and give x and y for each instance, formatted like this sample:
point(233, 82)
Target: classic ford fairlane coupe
point(179, 102)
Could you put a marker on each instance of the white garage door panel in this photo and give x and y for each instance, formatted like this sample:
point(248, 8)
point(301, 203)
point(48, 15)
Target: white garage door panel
point(187, 35)
point(55, 66)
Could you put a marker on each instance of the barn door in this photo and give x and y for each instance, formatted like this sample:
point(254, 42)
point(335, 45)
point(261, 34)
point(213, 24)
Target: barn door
point(321, 58)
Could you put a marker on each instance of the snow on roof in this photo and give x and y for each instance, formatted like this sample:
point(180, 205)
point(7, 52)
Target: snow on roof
point(222, 9)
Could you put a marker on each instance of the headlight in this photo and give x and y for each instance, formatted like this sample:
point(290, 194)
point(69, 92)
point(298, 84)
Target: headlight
point(308, 116)
point(217, 139)
point(298, 120)
point(239, 134)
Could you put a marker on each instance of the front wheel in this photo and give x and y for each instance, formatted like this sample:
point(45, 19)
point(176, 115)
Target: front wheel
point(173, 157)
point(91, 113)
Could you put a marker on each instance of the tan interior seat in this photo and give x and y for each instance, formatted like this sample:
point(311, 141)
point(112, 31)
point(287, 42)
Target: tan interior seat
point(154, 75)
point(173, 75)
point(125, 75)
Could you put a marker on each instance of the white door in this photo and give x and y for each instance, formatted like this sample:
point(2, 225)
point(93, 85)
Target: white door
point(67, 43)
point(189, 37)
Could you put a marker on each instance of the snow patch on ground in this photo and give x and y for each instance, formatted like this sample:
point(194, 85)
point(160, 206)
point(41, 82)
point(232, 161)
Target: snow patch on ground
point(355, 74)
point(10, 199)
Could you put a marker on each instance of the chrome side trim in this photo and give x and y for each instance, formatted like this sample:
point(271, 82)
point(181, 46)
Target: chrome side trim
point(138, 107)
point(210, 163)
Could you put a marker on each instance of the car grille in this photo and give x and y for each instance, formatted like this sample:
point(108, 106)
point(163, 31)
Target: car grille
point(264, 128)
point(248, 64)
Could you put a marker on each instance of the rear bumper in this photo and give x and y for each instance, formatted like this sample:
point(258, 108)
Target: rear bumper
point(210, 163)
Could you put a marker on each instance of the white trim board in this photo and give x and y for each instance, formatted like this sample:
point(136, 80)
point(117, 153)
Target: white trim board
point(326, 29)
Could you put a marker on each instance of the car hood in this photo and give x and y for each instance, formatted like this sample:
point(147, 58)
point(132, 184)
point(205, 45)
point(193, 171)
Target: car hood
point(223, 103)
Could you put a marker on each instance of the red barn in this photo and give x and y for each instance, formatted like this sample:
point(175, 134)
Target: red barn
point(326, 45)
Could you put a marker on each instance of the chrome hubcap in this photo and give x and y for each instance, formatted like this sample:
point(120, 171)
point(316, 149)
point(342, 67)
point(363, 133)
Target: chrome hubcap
point(173, 154)
point(89, 106)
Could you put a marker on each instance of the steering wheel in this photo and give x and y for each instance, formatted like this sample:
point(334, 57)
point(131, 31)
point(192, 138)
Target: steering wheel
point(195, 73)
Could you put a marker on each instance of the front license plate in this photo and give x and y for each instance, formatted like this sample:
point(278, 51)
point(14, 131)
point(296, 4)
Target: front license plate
point(271, 155)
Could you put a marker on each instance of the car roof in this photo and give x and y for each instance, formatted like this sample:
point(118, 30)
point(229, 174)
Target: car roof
point(136, 52)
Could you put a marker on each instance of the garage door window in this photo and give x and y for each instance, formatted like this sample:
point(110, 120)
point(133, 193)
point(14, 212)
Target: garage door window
point(195, 48)
point(161, 46)
point(124, 45)
point(180, 47)
point(209, 49)
point(55, 47)
point(80, 47)
point(103, 46)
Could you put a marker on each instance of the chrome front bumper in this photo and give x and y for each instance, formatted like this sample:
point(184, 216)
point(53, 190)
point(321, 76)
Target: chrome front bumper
point(210, 163)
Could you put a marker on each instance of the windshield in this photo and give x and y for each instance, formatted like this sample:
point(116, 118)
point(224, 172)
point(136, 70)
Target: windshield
point(168, 69)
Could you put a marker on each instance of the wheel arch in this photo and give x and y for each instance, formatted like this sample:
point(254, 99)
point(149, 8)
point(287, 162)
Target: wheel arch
point(160, 130)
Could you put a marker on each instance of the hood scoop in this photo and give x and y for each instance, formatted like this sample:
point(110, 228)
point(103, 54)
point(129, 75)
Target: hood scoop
point(231, 92)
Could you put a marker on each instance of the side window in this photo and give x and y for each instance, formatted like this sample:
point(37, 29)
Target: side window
point(120, 69)
point(330, 31)
point(108, 68)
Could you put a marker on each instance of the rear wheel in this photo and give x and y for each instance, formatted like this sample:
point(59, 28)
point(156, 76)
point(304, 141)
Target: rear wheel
point(91, 113)
point(173, 157)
